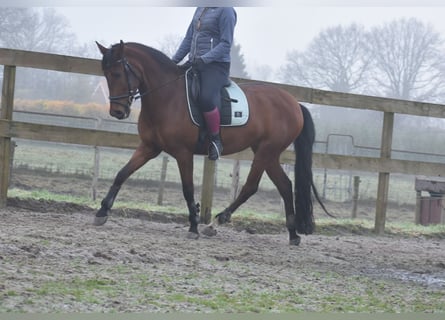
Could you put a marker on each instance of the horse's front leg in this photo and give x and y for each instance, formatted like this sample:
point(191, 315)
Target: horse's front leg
point(185, 165)
point(140, 157)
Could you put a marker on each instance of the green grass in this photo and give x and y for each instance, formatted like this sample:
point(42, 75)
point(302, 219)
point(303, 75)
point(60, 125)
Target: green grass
point(366, 227)
point(325, 292)
point(47, 195)
point(87, 201)
point(253, 219)
point(77, 289)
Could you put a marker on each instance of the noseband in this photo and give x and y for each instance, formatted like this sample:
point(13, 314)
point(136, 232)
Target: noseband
point(132, 94)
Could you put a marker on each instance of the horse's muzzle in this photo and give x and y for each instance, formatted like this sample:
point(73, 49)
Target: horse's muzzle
point(120, 113)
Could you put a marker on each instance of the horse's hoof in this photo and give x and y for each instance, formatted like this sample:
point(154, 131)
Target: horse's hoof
point(98, 221)
point(223, 217)
point(295, 241)
point(192, 235)
point(209, 231)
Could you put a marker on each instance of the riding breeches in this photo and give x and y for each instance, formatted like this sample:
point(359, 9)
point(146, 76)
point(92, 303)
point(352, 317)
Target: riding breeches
point(213, 77)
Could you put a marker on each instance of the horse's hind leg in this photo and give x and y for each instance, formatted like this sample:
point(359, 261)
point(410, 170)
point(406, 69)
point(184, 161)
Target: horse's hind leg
point(249, 188)
point(140, 157)
point(284, 186)
point(281, 181)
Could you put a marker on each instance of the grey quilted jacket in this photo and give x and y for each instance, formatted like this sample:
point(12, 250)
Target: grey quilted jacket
point(209, 35)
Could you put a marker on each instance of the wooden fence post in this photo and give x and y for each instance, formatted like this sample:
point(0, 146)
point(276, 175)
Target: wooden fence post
point(96, 166)
point(208, 181)
point(383, 185)
point(235, 179)
point(5, 143)
point(355, 193)
point(418, 207)
point(11, 160)
point(96, 169)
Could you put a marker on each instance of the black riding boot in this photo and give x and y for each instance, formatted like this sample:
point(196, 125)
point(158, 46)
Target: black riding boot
point(215, 147)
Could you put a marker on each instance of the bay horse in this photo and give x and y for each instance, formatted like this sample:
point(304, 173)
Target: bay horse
point(276, 120)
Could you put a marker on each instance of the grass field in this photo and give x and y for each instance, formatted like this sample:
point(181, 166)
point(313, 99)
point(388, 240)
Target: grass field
point(68, 159)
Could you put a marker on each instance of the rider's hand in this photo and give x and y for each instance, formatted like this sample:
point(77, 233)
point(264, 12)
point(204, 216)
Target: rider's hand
point(185, 66)
point(198, 63)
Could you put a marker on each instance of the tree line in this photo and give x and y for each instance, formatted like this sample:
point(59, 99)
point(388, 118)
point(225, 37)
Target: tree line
point(402, 59)
point(45, 30)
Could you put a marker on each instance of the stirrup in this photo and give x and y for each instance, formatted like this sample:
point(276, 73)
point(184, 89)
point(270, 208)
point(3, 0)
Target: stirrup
point(215, 148)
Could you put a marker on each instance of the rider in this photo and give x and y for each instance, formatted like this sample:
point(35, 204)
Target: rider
point(208, 42)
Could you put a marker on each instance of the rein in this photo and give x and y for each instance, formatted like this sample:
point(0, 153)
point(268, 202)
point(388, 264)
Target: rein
point(163, 85)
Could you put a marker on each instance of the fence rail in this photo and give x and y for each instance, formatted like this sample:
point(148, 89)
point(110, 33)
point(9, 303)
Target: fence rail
point(384, 165)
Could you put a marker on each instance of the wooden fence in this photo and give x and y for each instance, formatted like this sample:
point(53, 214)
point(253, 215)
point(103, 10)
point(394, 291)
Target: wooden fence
point(384, 165)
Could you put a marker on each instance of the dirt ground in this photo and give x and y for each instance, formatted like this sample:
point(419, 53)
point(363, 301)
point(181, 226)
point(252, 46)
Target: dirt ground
point(54, 260)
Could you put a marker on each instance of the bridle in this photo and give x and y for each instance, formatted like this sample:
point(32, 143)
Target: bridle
point(132, 93)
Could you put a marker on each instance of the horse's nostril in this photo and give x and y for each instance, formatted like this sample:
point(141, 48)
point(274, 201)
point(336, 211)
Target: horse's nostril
point(117, 114)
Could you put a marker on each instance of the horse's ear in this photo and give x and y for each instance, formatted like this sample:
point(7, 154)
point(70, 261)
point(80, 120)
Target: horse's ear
point(121, 47)
point(102, 49)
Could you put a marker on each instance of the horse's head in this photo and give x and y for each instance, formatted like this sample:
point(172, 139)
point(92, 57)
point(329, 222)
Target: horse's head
point(122, 78)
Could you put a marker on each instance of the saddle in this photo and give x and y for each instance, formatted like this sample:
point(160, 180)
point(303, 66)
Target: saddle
point(233, 109)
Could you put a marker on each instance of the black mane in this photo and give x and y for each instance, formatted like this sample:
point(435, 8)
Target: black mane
point(160, 57)
point(156, 54)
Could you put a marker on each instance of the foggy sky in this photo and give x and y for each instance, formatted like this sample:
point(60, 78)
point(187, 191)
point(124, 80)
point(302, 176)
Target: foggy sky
point(265, 34)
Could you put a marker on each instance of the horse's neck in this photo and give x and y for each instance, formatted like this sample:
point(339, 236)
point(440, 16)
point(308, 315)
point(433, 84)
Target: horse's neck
point(157, 78)
point(165, 90)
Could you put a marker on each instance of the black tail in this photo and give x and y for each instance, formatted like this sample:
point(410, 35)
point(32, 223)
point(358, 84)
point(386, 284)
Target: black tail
point(304, 183)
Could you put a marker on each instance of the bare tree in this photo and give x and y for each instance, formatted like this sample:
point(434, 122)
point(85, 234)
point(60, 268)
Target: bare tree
point(336, 60)
point(12, 22)
point(408, 60)
point(37, 30)
point(45, 30)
